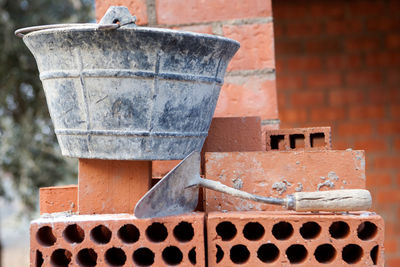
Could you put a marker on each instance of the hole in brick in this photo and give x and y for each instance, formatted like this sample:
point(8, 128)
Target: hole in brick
point(226, 230)
point(87, 257)
point(366, 230)
point(115, 257)
point(143, 257)
point(129, 233)
point(325, 253)
point(45, 236)
point(60, 257)
point(239, 254)
point(339, 229)
point(156, 232)
point(374, 254)
point(220, 254)
point(253, 231)
point(296, 253)
point(282, 230)
point(184, 232)
point(192, 256)
point(297, 141)
point(39, 258)
point(172, 255)
point(268, 253)
point(317, 140)
point(310, 230)
point(100, 234)
point(74, 234)
point(352, 253)
point(277, 141)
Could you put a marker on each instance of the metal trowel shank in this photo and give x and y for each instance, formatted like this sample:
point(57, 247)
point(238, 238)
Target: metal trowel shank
point(170, 196)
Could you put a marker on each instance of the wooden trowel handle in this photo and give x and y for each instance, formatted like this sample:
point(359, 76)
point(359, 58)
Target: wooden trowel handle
point(333, 200)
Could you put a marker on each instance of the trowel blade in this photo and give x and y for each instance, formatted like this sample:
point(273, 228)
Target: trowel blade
point(170, 195)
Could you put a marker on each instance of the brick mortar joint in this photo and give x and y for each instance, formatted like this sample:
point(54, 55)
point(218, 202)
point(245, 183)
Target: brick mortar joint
point(269, 73)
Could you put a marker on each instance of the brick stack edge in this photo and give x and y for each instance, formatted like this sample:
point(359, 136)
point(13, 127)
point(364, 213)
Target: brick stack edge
point(218, 237)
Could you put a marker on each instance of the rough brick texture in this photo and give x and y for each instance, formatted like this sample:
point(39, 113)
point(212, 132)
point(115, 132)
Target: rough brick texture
point(58, 199)
point(137, 7)
point(117, 240)
point(343, 57)
point(314, 138)
point(112, 186)
point(294, 239)
point(278, 173)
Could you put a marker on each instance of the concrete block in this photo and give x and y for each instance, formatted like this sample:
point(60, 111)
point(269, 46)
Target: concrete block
point(300, 239)
point(278, 173)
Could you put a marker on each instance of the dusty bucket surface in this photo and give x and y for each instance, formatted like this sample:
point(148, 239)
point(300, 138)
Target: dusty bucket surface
point(118, 91)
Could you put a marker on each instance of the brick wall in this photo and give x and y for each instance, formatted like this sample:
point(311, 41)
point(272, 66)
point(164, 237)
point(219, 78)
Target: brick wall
point(249, 88)
point(338, 64)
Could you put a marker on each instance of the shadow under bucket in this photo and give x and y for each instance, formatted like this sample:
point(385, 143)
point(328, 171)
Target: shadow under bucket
point(118, 91)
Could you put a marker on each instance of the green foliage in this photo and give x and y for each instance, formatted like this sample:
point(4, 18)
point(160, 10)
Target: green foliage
point(29, 153)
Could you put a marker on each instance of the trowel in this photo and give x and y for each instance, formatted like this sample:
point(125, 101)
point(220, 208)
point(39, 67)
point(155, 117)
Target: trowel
point(177, 193)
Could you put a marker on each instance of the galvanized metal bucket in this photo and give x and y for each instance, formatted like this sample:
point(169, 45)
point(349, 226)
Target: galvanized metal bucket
point(118, 91)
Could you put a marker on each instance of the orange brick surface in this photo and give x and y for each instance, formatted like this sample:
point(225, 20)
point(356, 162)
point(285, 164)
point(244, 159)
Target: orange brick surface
point(117, 240)
point(277, 173)
point(298, 239)
point(112, 186)
point(192, 11)
point(58, 199)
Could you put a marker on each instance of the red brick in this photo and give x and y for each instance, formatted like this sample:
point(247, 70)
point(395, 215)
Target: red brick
point(288, 47)
point(303, 63)
point(384, 95)
point(326, 9)
point(306, 98)
point(111, 186)
point(366, 112)
point(162, 167)
point(327, 114)
point(234, 134)
point(395, 111)
point(344, 97)
point(196, 28)
point(335, 62)
point(393, 262)
point(258, 172)
point(350, 128)
point(387, 162)
point(248, 96)
point(323, 80)
point(254, 229)
point(389, 127)
point(291, 81)
point(342, 27)
point(378, 179)
point(58, 199)
point(383, 24)
point(137, 7)
point(193, 11)
point(256, 46)
point(383, 59)
point(363, 78)
point(371, 144)
point(388, 196)
point(397, 146)
point(391, 245)
point(127, 241)
point(286, 11)
point(366, 8)
point(325, 46)
point(393, 41)
point(341, 145)
point(293, 115)
point(358, 44)
point(304, 29)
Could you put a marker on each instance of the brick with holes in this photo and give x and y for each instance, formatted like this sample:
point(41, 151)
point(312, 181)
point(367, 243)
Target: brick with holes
point(285, 238)
point(278, 173)
point(313, 138)
point(117, 240)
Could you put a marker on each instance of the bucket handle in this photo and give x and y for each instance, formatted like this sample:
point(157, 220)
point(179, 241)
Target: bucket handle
point(115, 17)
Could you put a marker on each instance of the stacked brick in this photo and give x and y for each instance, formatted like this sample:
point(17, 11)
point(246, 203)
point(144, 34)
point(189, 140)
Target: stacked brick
point(338, 63)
